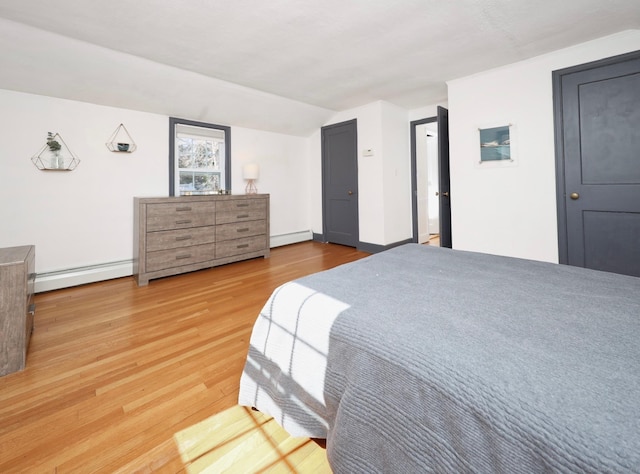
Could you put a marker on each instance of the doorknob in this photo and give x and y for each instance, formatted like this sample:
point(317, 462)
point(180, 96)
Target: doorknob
point(349, 193)
point(574, 196)
point(445, 194)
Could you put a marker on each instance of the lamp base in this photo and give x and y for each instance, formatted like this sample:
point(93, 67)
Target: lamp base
point(251, 187)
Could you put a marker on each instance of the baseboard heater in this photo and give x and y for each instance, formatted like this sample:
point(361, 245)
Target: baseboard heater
point(69, 277)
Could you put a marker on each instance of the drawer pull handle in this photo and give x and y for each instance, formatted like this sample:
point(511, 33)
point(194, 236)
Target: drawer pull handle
point(243, 246)
point(183, 208)
point(184, 237)
point(182, 257)
point(246, 229)
point(246, 204)
point(243, 216)
point(186, 221)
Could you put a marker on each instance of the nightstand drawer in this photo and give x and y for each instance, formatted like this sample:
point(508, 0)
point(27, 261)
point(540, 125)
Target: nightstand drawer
point(241, 210)
point(164, 259)
point(168, 216)
point(240, 229)
point(230, 248)
point(172, 239)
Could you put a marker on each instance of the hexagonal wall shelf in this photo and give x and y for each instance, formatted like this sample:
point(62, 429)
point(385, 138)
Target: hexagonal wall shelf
point(55, 155)
point(120, 141)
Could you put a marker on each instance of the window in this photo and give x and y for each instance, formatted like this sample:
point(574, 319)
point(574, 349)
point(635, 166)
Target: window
point(199, 158)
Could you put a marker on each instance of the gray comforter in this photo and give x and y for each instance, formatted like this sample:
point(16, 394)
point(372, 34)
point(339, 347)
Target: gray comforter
point(422, 359)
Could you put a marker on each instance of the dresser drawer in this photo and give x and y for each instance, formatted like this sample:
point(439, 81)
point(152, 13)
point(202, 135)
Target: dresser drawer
point(241, 210)
point(173, 239)
point(229, 248)
point(168, 216)
point(164, 259)
point(240, 229)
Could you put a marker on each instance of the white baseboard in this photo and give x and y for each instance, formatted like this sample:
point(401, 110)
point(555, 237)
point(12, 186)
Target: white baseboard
point(56, 280)
point(291, 238)
point(79, 276)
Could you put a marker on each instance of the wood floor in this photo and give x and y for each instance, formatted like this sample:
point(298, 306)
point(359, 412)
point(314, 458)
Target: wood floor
point(122, 378)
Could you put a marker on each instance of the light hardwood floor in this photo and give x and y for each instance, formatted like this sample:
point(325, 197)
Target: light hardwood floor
point(122, 378)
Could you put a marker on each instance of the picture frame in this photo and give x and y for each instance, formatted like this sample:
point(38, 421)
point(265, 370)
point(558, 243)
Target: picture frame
point(497, 145)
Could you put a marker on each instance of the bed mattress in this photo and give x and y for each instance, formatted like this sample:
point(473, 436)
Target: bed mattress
point(422, 359)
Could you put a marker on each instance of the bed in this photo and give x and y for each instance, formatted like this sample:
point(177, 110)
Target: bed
point(423, 359)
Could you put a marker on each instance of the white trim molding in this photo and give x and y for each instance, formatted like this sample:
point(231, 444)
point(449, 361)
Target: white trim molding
point(290, 238)
point(82, 275)
point(59, 279)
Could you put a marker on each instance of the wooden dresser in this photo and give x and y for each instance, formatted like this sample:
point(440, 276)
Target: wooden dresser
point(175, 235)
point(17, 310)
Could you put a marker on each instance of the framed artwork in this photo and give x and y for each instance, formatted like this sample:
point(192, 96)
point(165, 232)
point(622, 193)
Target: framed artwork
point(496, 144)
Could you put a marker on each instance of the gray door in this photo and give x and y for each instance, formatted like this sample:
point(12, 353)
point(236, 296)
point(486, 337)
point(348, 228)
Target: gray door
point(598, 156)
point(445, 186)
point(340, 183)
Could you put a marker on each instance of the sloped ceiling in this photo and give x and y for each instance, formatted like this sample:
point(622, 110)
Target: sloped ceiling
point(281, 65)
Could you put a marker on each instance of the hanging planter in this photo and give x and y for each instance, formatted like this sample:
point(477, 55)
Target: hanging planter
point(55, 155)
point(120, 141)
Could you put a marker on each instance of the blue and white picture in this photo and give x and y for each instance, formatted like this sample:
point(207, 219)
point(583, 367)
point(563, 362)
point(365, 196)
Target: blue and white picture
point(495, 144)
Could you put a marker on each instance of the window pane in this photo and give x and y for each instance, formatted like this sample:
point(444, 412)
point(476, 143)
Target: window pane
point(185, 152)
point(186, 181)
point(207, 181)
point(205, 154)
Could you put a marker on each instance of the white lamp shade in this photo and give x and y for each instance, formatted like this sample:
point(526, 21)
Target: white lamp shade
point(251, 171)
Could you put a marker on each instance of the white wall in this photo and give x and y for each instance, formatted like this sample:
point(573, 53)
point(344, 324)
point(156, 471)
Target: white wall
point(511, 210)
point(84, 217)
point(426, 112)
point(284, 166)
point(396, 140)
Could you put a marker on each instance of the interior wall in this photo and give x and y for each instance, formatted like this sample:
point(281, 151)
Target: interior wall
point(85, 217)
point(422, 176)
point(511, 209)
point(426, 112)
point(284, 165)
point(433, 179)
point(396, 139)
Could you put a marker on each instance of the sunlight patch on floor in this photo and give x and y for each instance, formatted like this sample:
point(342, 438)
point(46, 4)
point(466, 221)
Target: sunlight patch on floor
point(243, 440)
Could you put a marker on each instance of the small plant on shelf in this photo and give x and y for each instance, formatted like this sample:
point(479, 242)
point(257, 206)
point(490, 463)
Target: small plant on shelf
point(54, 145)
point(55, 155)
point(57, 160)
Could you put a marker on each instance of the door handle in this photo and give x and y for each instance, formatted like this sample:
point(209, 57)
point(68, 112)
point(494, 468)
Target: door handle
point(445, 194)
point(349, 193)
point(574, 196)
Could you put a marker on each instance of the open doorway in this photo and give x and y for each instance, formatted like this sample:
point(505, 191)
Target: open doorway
point(431, 205)
point(427, 186)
